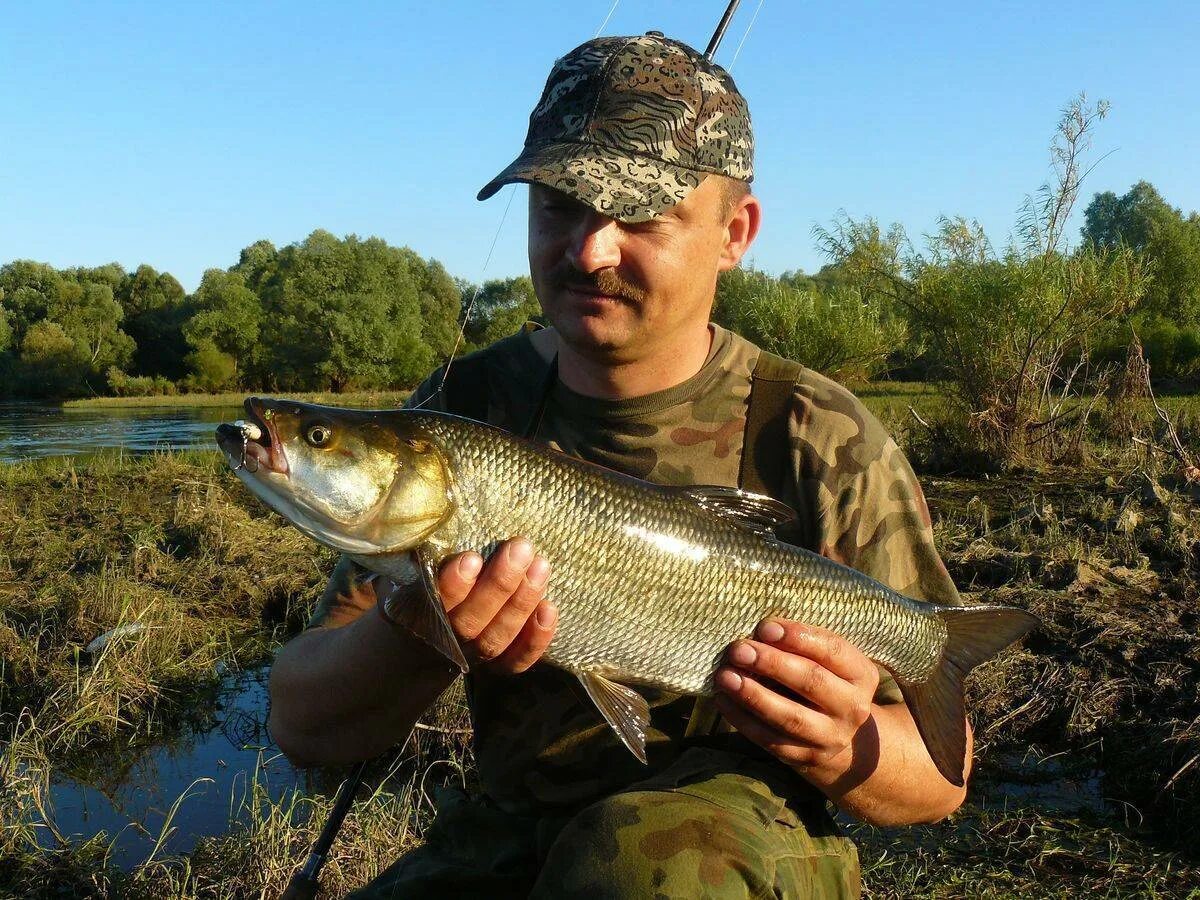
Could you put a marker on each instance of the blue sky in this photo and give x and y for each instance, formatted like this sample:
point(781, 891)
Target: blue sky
point(176, 134)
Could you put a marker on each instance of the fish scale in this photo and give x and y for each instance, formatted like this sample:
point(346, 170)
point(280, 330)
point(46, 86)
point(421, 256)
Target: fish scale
point(658, 604)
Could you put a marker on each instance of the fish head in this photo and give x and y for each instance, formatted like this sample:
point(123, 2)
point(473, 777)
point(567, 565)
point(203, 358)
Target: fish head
point(359, 481)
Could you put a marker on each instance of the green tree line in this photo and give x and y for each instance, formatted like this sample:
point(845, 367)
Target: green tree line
point(331, 313)
point(322, 314)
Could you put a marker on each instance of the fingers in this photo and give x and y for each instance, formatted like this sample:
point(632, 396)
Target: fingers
point(772, 708)
point(487, 586)
point(509, 620)
point(801, 693)
point(528, 646)
point(830, 650)
point(802, 676)
point(457, 576)
point(492, 606)
point(783, 746)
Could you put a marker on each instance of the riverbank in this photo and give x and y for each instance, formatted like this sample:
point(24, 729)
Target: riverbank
point(364, 399)
point(1087, 778)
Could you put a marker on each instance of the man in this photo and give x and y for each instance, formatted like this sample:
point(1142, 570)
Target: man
point(638, 159)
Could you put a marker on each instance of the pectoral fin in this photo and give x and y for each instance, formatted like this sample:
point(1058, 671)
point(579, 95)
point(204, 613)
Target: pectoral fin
point(755, 512)
point(425, 615)
point(623, 708)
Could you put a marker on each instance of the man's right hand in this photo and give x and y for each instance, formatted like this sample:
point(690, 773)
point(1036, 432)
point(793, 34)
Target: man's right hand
point(497, 609)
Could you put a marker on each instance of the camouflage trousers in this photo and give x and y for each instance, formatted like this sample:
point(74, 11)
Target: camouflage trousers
point(712, 824)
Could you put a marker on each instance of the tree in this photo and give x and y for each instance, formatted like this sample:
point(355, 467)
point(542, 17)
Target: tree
point(500, 308)
point(344, 314)
point(440, 301)
point(1143, 221)
point(256, 264)
point(50, 364)
point(6, 334)
point(28, 288)
point(155, 308)
point(226, 318)
point(91, 317)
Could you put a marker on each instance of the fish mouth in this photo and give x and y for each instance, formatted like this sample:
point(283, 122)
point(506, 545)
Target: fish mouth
point(264, 451)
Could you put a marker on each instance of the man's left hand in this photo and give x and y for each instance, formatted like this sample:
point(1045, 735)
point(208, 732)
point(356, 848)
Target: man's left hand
point(799, 692)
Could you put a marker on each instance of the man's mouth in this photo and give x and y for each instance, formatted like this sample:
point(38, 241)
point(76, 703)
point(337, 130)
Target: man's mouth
point(594, 294)
point(603, 286)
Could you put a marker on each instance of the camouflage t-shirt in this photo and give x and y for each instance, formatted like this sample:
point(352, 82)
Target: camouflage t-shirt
point(540, 743)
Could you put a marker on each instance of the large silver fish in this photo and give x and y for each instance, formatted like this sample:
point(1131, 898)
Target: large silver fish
point(651, 583)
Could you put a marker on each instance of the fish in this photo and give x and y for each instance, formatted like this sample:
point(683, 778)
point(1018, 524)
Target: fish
point(651, 582)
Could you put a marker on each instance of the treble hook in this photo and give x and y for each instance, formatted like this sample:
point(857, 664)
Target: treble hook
point(250, 432)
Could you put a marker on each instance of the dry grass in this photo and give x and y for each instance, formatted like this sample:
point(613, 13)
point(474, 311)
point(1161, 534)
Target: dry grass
point(1108, 689)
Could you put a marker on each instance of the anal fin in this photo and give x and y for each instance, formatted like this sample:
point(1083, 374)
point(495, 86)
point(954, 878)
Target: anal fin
point(425, 615)
point(623, 708)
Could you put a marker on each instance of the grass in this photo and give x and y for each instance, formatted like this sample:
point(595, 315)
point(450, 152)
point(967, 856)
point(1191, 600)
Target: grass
point(169, 542)
point(1109, 686)
point(379, 399)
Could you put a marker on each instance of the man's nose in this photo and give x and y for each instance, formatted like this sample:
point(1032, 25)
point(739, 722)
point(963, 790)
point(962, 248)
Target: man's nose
point(595, 243)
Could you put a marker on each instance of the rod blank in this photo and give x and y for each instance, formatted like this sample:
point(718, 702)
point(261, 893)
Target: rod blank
point(721, 29)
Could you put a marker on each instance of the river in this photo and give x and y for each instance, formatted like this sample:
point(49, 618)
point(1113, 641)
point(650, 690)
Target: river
point(30, 430)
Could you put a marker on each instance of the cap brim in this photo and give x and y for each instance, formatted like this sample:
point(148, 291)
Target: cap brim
point(619, 184)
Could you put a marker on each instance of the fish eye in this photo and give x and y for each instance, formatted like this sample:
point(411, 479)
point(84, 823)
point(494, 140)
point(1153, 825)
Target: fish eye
point(318, 434)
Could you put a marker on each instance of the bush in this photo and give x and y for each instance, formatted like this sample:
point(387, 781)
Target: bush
point(212, 370)
point(121, 384)
point(1009, 332)
point(834, 331)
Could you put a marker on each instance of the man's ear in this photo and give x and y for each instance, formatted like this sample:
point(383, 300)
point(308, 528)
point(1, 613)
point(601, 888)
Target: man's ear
point(742, 228)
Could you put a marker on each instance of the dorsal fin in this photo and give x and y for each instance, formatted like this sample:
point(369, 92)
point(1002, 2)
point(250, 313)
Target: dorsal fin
point(756, 512)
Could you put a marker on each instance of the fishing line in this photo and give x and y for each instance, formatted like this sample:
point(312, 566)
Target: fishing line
point(753, 19)
point(606, 18)
point(466, 315)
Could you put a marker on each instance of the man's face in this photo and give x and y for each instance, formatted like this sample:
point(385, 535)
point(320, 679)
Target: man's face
point(617, 291)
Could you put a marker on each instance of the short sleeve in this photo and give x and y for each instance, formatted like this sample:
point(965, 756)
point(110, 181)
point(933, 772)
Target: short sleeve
point(348, 594)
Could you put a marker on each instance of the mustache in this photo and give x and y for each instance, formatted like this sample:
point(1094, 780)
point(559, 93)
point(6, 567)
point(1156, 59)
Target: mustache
point(603, 281)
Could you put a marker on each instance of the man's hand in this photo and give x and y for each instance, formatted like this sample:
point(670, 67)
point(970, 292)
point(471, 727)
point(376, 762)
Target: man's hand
point(801, 693)
point(805, 695)
point(497, 610)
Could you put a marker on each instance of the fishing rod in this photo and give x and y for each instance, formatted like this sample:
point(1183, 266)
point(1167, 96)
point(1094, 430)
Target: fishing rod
point(722, 26)
point(306, 881)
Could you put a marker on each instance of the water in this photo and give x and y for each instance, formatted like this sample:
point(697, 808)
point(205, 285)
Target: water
point(31, 430)
point(1048, 783)
point(130, 796)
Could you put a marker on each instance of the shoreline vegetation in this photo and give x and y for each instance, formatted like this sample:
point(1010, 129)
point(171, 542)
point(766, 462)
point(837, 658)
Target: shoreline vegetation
point(363, 399)
point(1087, 744)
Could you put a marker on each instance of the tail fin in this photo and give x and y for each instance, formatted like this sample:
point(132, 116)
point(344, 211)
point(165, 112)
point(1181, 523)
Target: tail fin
point(975, 634)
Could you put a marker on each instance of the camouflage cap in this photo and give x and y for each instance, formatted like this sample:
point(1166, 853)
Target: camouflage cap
point(630, 125)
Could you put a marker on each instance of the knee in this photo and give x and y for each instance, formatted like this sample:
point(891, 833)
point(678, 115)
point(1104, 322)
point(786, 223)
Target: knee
point(652, 843)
